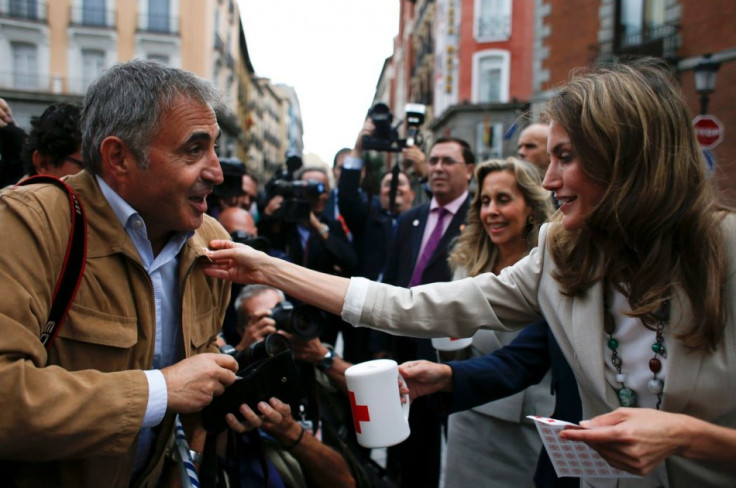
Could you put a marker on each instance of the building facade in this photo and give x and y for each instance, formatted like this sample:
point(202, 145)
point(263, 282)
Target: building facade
point(53, 49)
point(494, 63)
point(470, 62)
point(683, 32)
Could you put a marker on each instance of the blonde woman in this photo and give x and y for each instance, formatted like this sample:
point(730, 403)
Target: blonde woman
point(495, 445)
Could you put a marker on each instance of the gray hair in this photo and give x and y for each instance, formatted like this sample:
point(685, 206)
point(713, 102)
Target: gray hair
point(307, 169)
point(250, 291)
point(128, 101)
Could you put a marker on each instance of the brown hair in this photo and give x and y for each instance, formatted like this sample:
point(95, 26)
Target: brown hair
point(657, 225)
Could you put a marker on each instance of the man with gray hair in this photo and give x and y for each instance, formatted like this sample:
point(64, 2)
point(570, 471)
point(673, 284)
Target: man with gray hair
point(98, 407)
point(532, 146)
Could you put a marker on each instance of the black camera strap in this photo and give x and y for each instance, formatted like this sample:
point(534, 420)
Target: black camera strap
point(393, 189)
point(72, 268)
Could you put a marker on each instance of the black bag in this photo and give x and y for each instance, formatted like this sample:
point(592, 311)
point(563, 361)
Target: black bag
point(266, 370)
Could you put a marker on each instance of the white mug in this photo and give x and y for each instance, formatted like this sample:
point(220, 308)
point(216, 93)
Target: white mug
point(451, 343)
point(379, 417)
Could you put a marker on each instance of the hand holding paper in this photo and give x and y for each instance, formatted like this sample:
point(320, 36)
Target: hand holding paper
point(573, 458)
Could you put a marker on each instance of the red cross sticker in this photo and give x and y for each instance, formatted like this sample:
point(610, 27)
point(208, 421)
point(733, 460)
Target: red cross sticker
point(360, 412)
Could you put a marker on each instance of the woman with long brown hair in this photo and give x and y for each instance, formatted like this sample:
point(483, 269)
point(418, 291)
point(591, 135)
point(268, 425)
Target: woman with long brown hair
point(636, 277)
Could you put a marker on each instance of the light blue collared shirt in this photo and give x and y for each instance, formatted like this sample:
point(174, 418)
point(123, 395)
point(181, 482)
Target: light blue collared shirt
point(163, 271)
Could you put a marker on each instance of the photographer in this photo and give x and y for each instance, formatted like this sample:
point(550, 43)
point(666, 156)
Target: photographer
point(293, 447)
point(12, 139)
point(379, 135)
point(414, 163)
point(54, 146)
point(418, 255)
point(304, 233)
point(332, 209)
point(238, 221)
point(237, 189)
point(373, 227)
point(241, 226)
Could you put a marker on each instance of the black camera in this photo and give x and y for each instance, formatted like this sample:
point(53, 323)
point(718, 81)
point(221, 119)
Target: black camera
point(266, 369)
point(302, 320)
point(256, 242)
point(385, 137)
point(298, 197)
point(271, 345)
point(232, 184)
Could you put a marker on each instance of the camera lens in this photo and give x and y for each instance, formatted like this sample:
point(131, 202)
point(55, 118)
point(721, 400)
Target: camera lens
point(275, 344)
point(306, 321)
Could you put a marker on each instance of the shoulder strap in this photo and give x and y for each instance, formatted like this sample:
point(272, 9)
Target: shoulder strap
point(74, 261)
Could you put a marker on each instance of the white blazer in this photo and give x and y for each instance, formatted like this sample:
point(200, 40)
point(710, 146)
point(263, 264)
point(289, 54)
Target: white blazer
point(698, 384)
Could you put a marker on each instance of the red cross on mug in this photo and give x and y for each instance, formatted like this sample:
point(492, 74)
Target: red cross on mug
point(360, 413)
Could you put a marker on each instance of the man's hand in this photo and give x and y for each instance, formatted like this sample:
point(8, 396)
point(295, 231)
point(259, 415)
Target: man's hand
point(192, 382)
point(314, 223)
point(258, 327)
point(425, 377)
point(275, 418)
point(415, 157)
point(306, 350)
point(273, 205)
point(366, 130)
point(6, 115)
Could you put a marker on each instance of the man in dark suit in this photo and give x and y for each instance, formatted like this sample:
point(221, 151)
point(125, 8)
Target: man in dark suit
point(308, 236)
point(416, 461)
point(373, 231)
point(332, 207)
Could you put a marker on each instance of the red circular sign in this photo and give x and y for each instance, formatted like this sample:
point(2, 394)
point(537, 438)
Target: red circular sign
point(708, 130)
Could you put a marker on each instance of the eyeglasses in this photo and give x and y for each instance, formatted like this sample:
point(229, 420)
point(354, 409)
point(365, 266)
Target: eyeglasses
point(445, 161)
point(76, 161)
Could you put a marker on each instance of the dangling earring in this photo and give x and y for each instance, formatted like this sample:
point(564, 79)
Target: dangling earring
point(530, 220)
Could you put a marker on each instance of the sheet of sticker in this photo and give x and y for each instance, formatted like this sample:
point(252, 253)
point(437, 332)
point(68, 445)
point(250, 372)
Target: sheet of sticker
point(572, 458)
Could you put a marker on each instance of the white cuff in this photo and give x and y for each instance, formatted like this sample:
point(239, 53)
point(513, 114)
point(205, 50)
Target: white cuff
point(354, 300)
point(352, 162)
point(157, 398)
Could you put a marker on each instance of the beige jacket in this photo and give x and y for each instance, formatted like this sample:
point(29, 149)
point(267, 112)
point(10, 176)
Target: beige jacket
point(72, 418)
point(698, 384)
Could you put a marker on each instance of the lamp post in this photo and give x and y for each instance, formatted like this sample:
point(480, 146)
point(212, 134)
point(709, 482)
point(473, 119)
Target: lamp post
point(705, 80)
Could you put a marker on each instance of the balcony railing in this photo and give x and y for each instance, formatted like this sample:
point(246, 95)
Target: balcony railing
point(92, 17)
point(659, 41)
point(34, 10)
point(160, 24)
point(32, 82)
point(494, 28)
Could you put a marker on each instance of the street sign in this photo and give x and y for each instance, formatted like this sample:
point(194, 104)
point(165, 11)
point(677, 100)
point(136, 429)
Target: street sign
point(708, 130)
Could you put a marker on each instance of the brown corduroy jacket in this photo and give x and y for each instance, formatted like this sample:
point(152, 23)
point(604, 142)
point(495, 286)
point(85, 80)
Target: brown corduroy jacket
point(72, 417)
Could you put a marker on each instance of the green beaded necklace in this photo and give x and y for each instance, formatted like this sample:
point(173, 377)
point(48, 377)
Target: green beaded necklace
point(627, 397)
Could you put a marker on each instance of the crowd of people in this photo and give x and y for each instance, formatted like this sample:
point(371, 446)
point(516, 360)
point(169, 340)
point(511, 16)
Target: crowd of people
point(590, 293)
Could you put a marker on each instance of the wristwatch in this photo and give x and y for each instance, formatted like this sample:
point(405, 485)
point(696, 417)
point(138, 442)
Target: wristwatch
point(324, 229)
point(327, 359)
